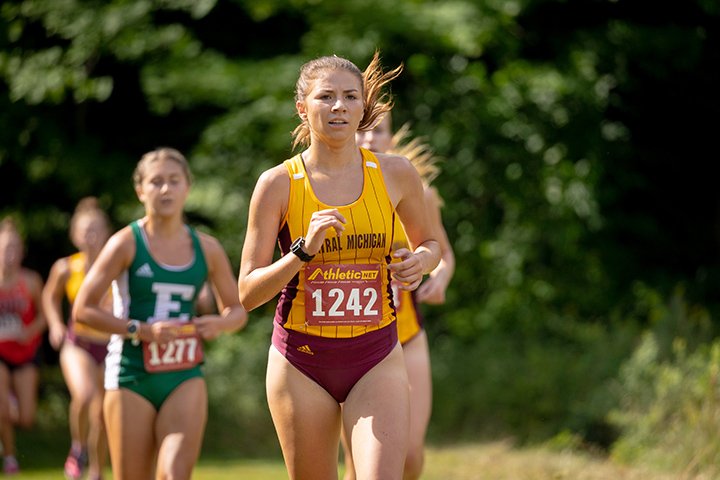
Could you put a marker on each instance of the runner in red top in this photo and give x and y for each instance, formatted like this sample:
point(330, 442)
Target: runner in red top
point(21, 326)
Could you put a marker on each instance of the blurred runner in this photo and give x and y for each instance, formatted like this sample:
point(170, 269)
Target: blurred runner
point(156, 397)
point(82, 348)
point(21, 326)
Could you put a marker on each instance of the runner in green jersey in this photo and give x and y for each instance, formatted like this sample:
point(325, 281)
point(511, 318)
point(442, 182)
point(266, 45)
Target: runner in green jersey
point(156, 402)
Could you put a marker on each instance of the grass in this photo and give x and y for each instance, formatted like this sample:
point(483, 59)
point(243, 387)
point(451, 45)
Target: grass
point(473, 461)
point(501, 461)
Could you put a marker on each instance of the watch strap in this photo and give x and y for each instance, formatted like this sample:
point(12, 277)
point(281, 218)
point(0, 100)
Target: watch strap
point(297, 249)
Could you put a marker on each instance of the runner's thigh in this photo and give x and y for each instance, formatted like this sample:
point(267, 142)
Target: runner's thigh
point(129, 420)
point(180, 428)
point(306, 418)
point(376, 414)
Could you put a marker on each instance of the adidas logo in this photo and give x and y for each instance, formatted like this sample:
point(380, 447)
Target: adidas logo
point(144, 271)
point(306, 349)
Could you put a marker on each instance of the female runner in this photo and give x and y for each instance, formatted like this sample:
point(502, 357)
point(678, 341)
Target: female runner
point(156, 398)
point(332, 209)
point(22, 323)
point(411, 331)
point(82, 349)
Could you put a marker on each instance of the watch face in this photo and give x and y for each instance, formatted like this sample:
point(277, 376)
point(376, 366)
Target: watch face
point(296, 248)
point(132, 327)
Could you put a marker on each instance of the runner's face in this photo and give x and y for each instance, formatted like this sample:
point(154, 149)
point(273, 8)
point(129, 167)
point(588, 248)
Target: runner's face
point(164, 188)
point(334, 106)
point(89, 232)
point(11, 250)
point(379, 139)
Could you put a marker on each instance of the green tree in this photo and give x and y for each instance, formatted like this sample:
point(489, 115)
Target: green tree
point(574, 155)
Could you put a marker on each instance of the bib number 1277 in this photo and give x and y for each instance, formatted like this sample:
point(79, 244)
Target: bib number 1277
point(183, 352)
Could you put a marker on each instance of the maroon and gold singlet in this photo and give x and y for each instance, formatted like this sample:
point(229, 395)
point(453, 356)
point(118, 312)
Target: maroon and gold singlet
point(88, 338)
point(77, 265)
point(409, 318)
point(335, 319)
point(344, 291)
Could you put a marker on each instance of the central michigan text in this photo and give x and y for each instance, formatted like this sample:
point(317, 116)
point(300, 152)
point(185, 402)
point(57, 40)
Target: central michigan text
point(354, 241)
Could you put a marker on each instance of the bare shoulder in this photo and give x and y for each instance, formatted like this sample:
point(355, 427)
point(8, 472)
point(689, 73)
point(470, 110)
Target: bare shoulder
point(32, 279)
point(271, 195)
point(121, 237)
point(210, 244)
point(121, 245)
point(432, 197)
point(61, 268)
point(395, 165)
point(274, 179)
point(401, 178)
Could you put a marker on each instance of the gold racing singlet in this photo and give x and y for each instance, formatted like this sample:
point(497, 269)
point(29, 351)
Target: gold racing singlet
point(345, 290)
point(409, 321)
point(76, 263)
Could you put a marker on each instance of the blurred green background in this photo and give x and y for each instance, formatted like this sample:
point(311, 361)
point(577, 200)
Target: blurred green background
point(576, 140)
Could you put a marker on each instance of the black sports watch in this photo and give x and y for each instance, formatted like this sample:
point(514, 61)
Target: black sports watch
point(133, 330)
point(297, 249)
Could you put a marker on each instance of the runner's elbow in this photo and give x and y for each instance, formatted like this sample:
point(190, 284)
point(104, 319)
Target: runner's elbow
point(246, 300)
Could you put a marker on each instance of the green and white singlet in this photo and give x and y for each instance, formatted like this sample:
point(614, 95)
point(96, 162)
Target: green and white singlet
point(149, 291)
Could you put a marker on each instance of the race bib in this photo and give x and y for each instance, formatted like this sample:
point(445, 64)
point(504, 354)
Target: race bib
point(11, 327)
point(339, 294)
point(182, 353)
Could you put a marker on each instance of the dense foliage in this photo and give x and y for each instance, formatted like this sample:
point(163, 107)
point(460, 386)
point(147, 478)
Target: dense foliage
point(574, 139)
